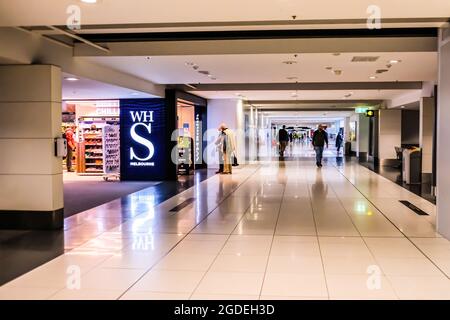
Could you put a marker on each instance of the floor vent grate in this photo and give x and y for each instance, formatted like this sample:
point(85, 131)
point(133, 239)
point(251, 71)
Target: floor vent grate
point(182, 205)
point(418, 211)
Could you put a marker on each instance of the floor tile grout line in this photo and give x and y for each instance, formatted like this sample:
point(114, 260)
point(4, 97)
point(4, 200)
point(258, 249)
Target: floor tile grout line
point(226, 241)
point(364, 240)
point(87, 272)
point(271, 244)
point(406, 237)
point(188, 233)
point(318, 240)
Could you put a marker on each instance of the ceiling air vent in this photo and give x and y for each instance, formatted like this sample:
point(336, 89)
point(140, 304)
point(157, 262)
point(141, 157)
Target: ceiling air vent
point(365, 58)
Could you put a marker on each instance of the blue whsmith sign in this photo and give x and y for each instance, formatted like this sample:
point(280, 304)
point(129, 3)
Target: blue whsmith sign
point(143, 139)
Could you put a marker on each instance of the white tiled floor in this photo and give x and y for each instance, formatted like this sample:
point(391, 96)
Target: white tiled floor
point(288, 231)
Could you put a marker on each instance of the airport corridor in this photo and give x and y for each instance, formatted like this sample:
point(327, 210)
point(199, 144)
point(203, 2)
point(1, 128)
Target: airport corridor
point(272, 230)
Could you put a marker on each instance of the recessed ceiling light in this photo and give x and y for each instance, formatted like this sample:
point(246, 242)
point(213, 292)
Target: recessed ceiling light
point(71, 79)
point(134, 93)
point(394, 61)
point(337, 72)
point(402, 107)
point(291, 78)
point(89, 1)
point(372, 77)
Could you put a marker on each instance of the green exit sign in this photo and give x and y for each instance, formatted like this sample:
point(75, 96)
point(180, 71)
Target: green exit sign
point(361, 109)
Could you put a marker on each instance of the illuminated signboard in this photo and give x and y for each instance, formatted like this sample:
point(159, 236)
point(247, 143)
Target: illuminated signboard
point(200, 143)
point(143, 139)
point(198, 159)
point(361, 109)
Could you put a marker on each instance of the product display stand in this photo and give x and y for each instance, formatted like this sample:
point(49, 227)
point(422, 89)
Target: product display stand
point(93, 150)
point(111, 152)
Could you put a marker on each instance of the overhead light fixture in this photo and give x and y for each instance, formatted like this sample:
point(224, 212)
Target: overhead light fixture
point(329, 68)
point(337, 72)
point(89, 1)
point(71, 79)
point(190, 86)
point(372, 77)
point(291, 78)
point(402, 107)
point(336, 54)
point(134, 93)
point(394, 61)
point(289, 62)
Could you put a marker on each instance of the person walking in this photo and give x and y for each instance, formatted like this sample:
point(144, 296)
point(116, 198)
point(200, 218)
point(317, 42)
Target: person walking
point(339, 141)
point(219, 148)
point(71, 146)
point(320, 138)
point(283, 139)
point(228, 147)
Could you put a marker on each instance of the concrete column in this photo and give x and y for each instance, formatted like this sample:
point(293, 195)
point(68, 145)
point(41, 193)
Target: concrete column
point(230, 112)
point(443, 135)
point(31, 192)
point(426, 136)
point(390, 134)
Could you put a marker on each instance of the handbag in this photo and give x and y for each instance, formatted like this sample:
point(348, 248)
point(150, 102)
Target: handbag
point(235, 161)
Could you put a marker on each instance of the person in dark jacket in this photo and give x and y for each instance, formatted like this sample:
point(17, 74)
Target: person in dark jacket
point(319, 140)
point(339, 141)
point(283, 138)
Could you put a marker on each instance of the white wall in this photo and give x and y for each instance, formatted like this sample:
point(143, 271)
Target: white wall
point(390, 133)
point(426, 133)
point(443, 134)
point(230, 112)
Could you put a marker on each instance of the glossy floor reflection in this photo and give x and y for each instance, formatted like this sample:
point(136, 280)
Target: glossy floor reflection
point(276, 230)
point(22, 251)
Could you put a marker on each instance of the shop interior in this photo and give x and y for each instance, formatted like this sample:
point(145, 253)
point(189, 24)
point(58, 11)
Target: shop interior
point(93, 171)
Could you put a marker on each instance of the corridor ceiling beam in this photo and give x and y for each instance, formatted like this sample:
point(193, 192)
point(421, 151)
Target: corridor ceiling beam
point(305, 86)
point(77, 37)
point(171, 47)
point(290, 102)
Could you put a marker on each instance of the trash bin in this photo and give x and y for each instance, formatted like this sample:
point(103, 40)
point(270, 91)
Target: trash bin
point(348, 148)
point(412, 165)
